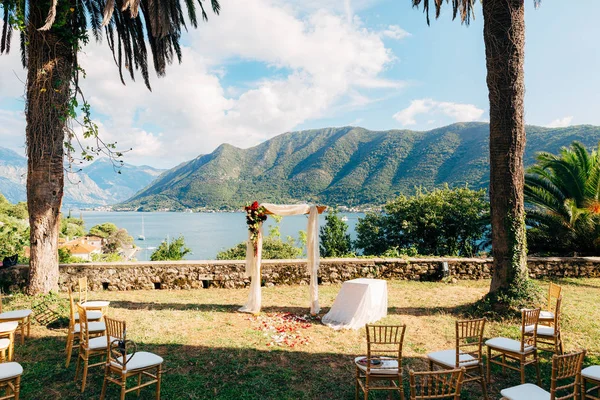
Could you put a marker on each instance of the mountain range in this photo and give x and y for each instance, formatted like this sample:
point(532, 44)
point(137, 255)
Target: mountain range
point(97, 184)
point(349, 166)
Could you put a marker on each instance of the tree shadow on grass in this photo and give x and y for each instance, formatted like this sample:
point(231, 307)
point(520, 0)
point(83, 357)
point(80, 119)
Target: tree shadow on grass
point(201, 372)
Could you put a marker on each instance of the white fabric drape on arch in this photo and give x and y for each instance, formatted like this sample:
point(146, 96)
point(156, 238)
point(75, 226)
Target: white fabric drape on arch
point(312, 250)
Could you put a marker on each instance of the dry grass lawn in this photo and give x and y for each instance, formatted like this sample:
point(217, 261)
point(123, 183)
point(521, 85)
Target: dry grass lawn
point(213, 352)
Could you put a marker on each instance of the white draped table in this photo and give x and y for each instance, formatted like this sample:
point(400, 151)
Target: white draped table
point(359, 302)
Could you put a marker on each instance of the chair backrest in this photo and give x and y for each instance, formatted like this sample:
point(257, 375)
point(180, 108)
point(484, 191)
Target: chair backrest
point(529, 325)
point(116, 336)
point(84, 335)
point(469, 340)
point(83, 288)
point(567, 366)
point(385, 341)
point(557, 315)
point(442, 384)
point(554, 292)
point(72, 309)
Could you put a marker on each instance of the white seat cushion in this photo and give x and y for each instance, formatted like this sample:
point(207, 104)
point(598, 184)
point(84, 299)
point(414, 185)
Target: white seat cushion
point(507, 344)
point(140, 360)
point(527, 391)
point(91, 315)
point(592, 372)
point(544, 330)
point(546, 315)
point(387, 367)
point(8, 326)
point(95, 304)
point(4, 343)
point(94, 327)
point(448, 358)
point(15, 314)
point(98, 343)
point(10, 370)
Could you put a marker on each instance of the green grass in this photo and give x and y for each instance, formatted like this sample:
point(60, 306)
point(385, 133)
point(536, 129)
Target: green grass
point(213, 352)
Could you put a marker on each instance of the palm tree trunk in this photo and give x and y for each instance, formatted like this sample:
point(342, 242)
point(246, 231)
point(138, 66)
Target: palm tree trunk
point(504, 37)
point(50, 63)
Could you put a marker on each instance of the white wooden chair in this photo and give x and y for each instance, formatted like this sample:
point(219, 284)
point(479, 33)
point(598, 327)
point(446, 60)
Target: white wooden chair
point(95, 328)
point(23, 317)
point(98, 305)
point(88, 347)
point(123, 361)
point(467, 354)
point(564, 367)
point(521, 351)
point(10, 380)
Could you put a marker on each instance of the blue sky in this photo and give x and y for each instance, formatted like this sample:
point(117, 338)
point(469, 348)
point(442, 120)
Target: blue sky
point(282, 65)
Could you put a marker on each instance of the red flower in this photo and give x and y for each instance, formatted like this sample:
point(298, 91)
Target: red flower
point(255, 205)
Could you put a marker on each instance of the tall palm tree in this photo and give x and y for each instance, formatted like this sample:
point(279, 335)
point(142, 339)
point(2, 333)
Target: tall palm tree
point(565, 192)
point(504, 37)
point(51, 34)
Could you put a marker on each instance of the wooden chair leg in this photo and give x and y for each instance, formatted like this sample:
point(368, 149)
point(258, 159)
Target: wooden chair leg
point(104, 382)
point(85, 373)
point(357, 384)
point(123, 385)
point(489, 355)
point(69, 349)
point(17, 389)
point(139, 383)
point(482, 381)
point(522, 368)
point(22, 331)
point(537, 368)
point(158, 379)
point(77, 367)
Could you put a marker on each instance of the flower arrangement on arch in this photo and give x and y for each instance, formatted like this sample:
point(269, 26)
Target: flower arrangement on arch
point(255, 216)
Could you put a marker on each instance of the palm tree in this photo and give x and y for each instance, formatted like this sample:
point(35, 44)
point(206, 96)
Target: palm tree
point(504, 37)
point(51, 34)
point(565, 191)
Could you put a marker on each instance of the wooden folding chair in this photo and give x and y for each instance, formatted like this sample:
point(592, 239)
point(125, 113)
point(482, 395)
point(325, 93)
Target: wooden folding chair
point(23, 317)
point(467, 354)
point(383, 362)
point(564, 367)
point(95, 327)
point(547, 316)
point(10, 380)
point(88, 347)
point(549, 335)
point(123, 361)
point(442, 384)
point(590, 375)
point(100, 305)
point(517, 350)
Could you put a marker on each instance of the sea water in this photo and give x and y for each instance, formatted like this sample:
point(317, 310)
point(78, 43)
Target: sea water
point(205, 233)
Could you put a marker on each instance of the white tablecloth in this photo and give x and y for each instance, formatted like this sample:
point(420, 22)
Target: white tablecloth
point(359, 302)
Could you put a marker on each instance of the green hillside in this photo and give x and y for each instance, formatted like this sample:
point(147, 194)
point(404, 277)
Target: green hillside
point(346, 166)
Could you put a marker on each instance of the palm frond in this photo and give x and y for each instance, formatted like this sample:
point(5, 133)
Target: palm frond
point(462, 8)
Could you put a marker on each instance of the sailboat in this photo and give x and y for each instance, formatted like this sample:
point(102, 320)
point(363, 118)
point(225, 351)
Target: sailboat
point(142, 237)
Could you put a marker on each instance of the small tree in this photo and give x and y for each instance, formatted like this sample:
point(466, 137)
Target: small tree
point(335, 239)
point(104, 230)
point(116, 241)
point(174, 250)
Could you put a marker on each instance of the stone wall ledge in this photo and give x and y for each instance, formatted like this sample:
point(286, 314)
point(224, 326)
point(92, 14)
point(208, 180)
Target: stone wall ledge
point(192, 274)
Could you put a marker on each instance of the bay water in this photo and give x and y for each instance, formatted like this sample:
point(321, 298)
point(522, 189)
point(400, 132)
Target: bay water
point(205, 233)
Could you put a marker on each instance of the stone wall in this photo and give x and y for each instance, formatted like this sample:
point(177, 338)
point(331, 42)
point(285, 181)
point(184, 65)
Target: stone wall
point(230, 274)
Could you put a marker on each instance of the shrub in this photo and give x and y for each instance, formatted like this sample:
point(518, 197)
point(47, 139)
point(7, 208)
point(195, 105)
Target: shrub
point(334, 236)
point(174, 250)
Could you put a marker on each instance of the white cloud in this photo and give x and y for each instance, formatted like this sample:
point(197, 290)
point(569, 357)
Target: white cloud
point(561, 122)
point(395, 32)
point(459, 112)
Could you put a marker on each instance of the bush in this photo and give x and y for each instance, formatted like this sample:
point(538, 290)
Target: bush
point(443, 222)
point(174, 250)
point(334, 236)
point(273, 249)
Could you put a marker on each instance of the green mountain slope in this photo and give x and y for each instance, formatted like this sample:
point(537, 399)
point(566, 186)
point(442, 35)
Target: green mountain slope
point(347, 166)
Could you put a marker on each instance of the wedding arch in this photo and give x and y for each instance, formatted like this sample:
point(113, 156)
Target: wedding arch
point(255, 216)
